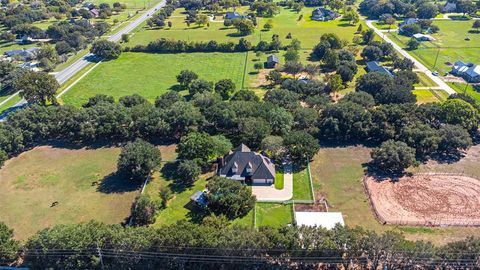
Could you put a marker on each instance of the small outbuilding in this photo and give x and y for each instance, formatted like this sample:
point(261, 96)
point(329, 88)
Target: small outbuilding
point(199, 199)
point(327, 220)
point(422, 37)
point(272, 61)
point(374, 66)
point(232, 15)
point(95, 13)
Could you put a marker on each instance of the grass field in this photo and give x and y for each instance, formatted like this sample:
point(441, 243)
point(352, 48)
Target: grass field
point(306, 30)
point(450, 45)
point(425, 96)
point(151, 75)
point(337, 174)
point(465, 88)
point(82, 181)
point(425, 81)
point(301, 185)
point(273, 214)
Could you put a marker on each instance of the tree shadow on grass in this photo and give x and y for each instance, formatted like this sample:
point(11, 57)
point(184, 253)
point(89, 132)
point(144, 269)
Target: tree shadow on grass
point(195, 213)
point(177, 88)
point(345, 25)
point(118, 183)
point(235, 35)
point(168, 172)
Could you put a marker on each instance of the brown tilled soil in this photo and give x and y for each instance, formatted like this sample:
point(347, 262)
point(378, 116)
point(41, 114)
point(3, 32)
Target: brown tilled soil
point(429, 200)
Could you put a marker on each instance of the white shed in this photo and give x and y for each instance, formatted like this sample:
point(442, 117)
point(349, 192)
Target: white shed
point(327, 220)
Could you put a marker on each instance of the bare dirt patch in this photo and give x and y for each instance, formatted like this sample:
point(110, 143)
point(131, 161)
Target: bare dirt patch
point(426, 200)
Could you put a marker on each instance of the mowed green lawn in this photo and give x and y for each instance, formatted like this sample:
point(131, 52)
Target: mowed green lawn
point(449, 45)
point(425, 96)
point(306, 30)
point(301, 186)
point(273, 214)
point(151, 75)
point(82, 181)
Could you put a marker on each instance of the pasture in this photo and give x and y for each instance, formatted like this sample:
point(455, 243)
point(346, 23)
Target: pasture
point(337, 173)
point(151, 75)
point(287, 21)
point(83, 182)
point(453, 42)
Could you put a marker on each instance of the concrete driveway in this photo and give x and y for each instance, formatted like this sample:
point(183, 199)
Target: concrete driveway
point(271, 194)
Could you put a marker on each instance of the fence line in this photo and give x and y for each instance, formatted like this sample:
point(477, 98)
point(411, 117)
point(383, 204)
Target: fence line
point(424, 223)
point(370, 202)
point(311, 182)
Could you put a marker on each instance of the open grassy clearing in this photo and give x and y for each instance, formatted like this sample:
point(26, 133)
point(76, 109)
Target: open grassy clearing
point(337, 174)
point(82, 181)
point(425, 96)
point(301, 185)
point(425, 81)
point(151, 75)
point(306, 30)
point(273, 214)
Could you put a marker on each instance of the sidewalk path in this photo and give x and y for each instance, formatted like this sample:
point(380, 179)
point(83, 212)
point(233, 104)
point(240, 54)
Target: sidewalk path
point(442, 85)
point(271, 194)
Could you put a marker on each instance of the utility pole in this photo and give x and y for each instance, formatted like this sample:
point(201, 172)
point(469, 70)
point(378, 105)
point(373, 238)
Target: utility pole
point(100, 255)
point(436, 58)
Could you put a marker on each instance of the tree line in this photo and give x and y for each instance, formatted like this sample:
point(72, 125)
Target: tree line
point(164, 45)
point(291, 120)
point(216, 243)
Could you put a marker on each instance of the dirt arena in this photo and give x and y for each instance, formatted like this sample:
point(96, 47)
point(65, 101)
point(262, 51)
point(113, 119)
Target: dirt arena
point(426, 200)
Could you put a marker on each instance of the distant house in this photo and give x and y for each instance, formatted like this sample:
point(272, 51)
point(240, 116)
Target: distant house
point(24, 54)
point(374, 66)
point(232, 15)
point(246, 166)
point(199, 199)
point(469, 71)
point(29, 66)
point(422, 37)
point(449, 7)
point(25, 39)
point(323, 14)
point(94, 12)
point(88, 5)
point(407, 22)
point(272, 61)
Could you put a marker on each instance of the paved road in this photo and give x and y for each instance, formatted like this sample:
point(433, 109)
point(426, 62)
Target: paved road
point(81, 63)
point(419, 66)
point(271, 194)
